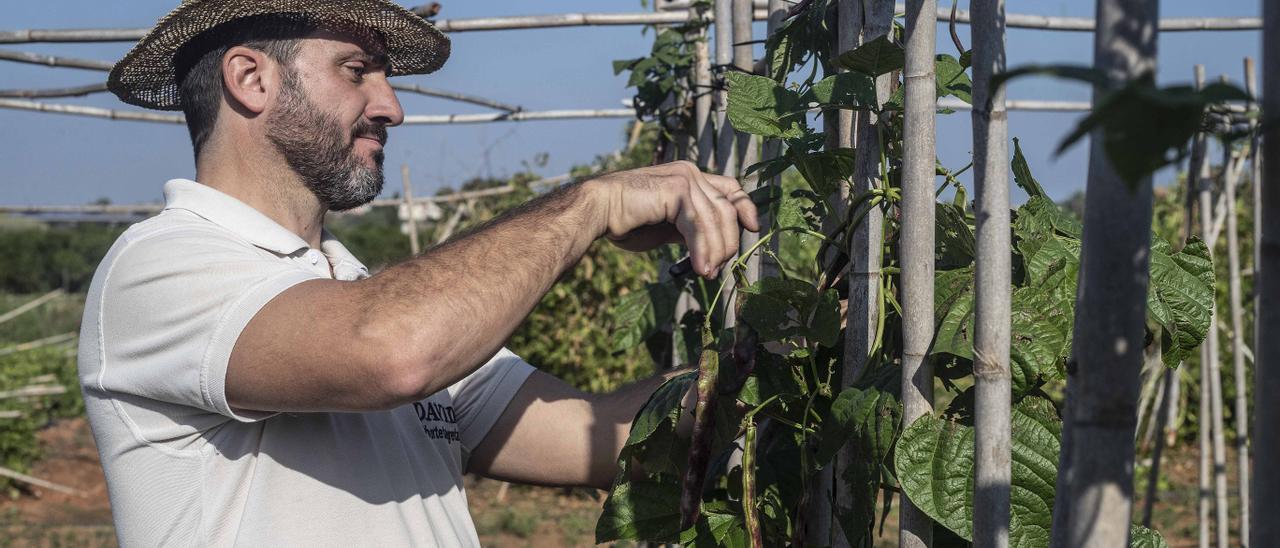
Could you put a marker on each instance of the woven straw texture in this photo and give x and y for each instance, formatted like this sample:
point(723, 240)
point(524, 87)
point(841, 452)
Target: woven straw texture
point(146, 76)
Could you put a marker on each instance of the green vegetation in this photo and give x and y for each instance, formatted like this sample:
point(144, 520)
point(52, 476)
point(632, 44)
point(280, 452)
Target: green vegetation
point(769, 387)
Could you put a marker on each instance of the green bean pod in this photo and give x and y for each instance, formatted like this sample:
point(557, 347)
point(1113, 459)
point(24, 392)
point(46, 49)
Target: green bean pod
point(703, 430)
point(750, 506)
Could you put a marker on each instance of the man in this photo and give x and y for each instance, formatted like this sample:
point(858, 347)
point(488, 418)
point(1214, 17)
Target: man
point(249, 383)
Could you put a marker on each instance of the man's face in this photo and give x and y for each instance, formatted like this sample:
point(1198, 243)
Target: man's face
point(330, 119)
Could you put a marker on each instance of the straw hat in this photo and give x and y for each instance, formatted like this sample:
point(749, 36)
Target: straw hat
point(147, 77)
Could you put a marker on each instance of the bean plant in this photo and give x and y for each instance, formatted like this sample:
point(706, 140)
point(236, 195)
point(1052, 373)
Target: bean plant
point(770, 412)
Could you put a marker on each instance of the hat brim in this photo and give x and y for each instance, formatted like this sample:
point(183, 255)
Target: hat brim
point(146, 76)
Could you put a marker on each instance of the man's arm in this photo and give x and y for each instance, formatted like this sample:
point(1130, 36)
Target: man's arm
point(554, 434)
point(420, 326)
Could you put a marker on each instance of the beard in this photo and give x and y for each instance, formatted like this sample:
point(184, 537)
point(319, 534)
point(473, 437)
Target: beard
point(317, 148)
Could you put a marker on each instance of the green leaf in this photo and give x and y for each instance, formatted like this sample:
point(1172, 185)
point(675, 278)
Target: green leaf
point(1146, 128)
point(1022, 173)
point(639, 71)
point(1070, 72)
point(879, 56)
point(951, 78)
point(1141, 537)
point(625, 64)
point(867, 415)
point(825, 170)
point(844, 90)
point(720, 527)
point(759, 106)
point(639, 314)
point(956, 243)
point(641, 510)
point(780, 308)
point(1180, 297)
point(934, 463)
point(865, 420)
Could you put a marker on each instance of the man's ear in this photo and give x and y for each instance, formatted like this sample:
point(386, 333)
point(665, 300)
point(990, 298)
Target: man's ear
point(245, 74)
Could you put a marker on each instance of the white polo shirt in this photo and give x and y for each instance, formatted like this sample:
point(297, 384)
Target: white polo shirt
point(183, 468)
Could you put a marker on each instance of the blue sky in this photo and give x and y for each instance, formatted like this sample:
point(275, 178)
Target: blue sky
point(56, 159)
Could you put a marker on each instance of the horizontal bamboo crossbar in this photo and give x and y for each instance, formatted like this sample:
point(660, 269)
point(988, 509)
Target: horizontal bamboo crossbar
point(673, 16)
point(1045, 22)
point(33, 391)
point(570, 114)
point(19, 476)
point(54, 61)
point(30, 305)
point(38, 343)
point(46, 93)
point(91, 64)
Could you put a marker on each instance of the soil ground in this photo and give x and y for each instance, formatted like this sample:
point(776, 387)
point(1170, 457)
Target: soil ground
point(513, 515)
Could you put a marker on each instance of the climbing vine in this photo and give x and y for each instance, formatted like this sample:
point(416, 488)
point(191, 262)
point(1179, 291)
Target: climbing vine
point(770, 413)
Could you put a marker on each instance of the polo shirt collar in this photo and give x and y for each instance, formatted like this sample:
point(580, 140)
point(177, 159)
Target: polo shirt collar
point(234, 215)
point(346, 266)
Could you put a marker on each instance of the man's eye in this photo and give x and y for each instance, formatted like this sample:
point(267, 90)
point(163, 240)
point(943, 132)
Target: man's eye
point(357, 69)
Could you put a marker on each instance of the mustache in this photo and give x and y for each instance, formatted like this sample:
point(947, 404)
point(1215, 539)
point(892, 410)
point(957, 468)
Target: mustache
point(371, 129)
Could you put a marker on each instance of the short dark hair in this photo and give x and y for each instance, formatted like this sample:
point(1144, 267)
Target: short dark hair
point(198, 64)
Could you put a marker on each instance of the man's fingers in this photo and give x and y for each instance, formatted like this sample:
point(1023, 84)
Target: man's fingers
point(707, 224)
point(726, 221)
point(745, 208)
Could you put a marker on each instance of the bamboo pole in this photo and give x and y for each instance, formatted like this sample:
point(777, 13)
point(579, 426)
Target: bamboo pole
point(33, 391)
point(866, 243)
point(54, 61)
point(1255, 185)
point(828, 492)
point(1266, 444)
point(19, 476)
point(455, 96)
point(772, 148)
point(76, 91)
point(91, 64)
point(725, 138)
point(704, 123)
point(747, 145)
point(411, 215)
point(481, 118)
point(1230, 180)
point(992, 412)
point(1078, 24)
point(1210, 360)
point(919, 159)
point(38, 343)
point(1082, 24)
point(30, 305)
point(429, 119)
point(1094, 496)
point(1204, 485)
point(1167, 379)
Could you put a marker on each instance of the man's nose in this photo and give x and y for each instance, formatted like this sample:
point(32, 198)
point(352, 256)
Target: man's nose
point(384, 106)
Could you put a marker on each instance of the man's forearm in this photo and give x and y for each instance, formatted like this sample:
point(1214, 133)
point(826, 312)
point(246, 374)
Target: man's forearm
point(455, 305)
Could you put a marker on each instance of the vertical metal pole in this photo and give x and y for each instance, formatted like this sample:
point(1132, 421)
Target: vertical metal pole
point(408, 204)
point(916, 246)
point(1255, 179)
point(992, 413)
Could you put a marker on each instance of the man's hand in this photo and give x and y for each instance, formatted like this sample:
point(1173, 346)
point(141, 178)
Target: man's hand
point(676, 202)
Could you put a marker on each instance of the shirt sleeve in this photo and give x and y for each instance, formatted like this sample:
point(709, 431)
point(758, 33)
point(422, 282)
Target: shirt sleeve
point(480, 398)
point(171, 308)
